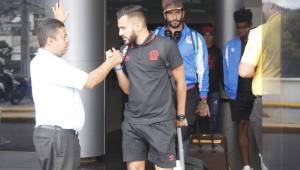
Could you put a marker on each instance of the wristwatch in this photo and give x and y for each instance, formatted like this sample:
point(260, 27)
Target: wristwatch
point(180, 117)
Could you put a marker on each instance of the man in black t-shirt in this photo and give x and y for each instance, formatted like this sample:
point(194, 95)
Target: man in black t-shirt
point(149, 125)
point(215, 74)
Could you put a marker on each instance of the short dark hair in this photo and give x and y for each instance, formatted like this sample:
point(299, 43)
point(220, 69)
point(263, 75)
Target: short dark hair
point(132, 11)
point(48, 28)
point(243, 15)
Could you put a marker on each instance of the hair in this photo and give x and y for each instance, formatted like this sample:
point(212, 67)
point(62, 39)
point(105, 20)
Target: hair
point(48, 28)
point(243, 15)
point(166, 3)
point(132, 11)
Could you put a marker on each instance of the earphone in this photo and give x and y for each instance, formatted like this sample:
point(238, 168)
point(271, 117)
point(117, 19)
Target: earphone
point(176, 36)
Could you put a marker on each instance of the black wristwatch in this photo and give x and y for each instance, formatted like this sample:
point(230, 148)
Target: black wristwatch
point(180, 117)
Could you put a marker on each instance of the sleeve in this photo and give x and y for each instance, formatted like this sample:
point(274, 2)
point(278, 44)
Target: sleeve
point(202, 68)
point(67, 75)
point(173, 56)
point(157, 31)
point(253, 48)
point(225, 63)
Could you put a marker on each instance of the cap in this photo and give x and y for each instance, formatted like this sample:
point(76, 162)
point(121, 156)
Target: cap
point(169, 5)
point(208, 28)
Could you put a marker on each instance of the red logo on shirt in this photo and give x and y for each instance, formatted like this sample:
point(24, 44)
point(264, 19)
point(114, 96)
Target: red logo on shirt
point(171, 157)
point(153, 55)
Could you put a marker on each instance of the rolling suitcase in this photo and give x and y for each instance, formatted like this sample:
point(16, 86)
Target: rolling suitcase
point(189, 163)
point(211, 148)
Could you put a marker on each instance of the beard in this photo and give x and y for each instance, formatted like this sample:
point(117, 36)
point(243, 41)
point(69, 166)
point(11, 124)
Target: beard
point(175, 23)
point(131, 39)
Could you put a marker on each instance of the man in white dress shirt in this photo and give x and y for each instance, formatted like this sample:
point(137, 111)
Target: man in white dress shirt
point(56, 86)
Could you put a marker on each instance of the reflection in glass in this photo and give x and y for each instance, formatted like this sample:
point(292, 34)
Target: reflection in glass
point(18, 43)
point(281, 119)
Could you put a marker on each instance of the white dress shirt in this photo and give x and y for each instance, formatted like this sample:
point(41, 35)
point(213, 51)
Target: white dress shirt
point(55, 89)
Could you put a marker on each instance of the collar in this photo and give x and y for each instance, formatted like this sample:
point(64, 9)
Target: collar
point(272, 17)
point(149, 39)
point(45, 52)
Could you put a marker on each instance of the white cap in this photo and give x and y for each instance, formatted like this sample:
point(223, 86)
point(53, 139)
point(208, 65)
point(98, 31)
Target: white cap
point(288, 4)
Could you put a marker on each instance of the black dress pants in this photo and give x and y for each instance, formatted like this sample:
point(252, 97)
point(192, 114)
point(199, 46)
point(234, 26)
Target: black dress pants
point(56, 148)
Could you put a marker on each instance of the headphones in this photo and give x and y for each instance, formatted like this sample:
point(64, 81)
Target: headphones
point(175, 36)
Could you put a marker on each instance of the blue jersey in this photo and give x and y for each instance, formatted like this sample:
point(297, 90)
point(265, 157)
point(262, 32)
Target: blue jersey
point(195, 61)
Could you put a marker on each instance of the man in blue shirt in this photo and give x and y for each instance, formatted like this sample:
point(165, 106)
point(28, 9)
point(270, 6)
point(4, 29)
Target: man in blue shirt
point(238, 89)
point(193, 50)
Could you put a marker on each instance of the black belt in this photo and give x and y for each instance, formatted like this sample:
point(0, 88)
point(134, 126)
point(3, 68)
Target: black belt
point(57, 128)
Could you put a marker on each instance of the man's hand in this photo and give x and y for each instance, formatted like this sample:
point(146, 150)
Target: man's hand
point(60, 13)
point(202, 109)
point(114, 56)
point(181, 123)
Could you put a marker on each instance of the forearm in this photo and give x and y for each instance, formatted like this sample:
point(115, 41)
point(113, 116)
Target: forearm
point(98, 75)
point(178, 75)
point(123, 81)
point(181, 97)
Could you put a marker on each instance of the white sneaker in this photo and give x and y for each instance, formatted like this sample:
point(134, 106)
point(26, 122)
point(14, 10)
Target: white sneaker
point(247, 167)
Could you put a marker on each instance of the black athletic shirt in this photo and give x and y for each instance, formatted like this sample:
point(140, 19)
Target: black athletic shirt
point(244, 84)
point(150, 94)
point(215, 68)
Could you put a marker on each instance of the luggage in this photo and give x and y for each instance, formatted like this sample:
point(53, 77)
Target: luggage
point(212, 149)
point(189, 163)
point(192, 163)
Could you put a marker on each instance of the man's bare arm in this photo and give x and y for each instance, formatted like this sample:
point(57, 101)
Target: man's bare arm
point(98, 75)
point(178, 74)
point(246, 70)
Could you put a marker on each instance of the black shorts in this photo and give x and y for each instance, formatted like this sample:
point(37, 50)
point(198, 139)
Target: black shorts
point(154, 142)
point(241, 107)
